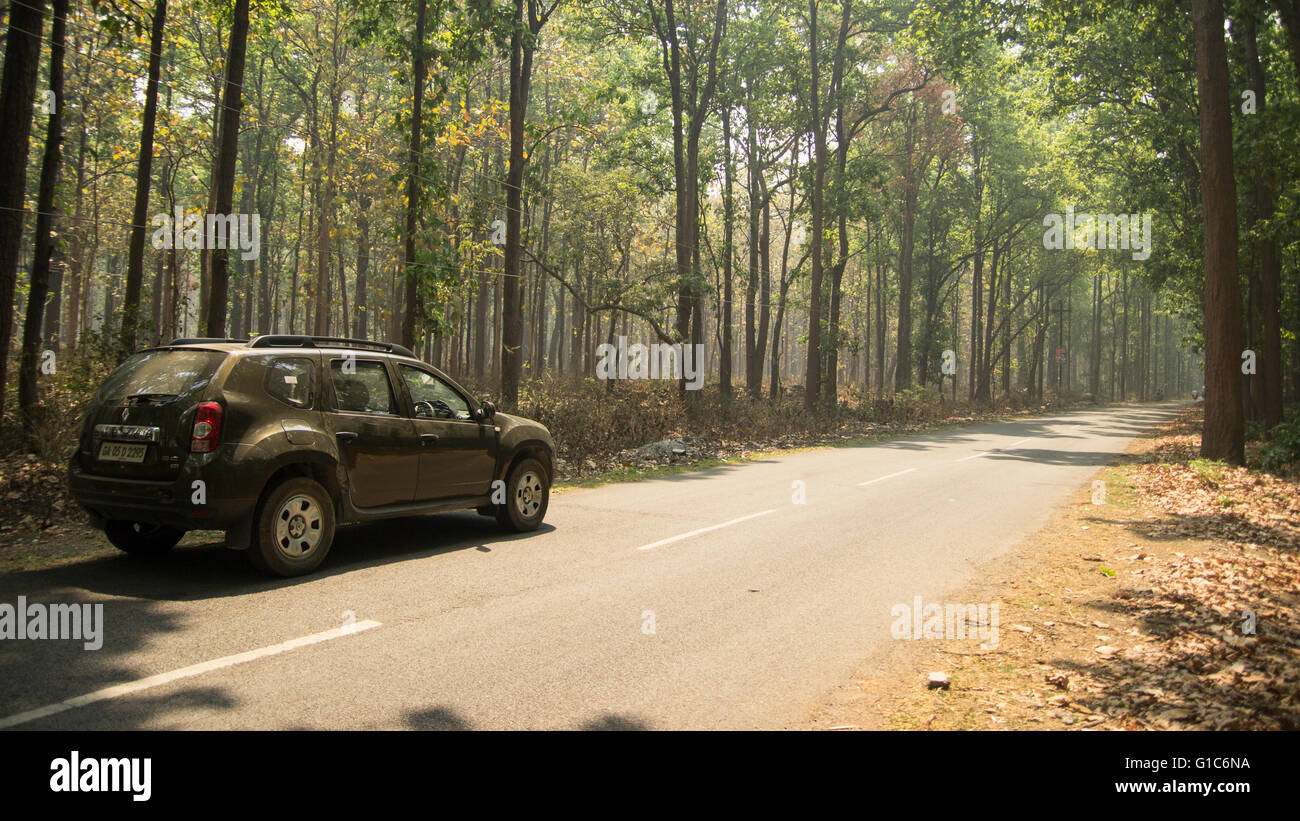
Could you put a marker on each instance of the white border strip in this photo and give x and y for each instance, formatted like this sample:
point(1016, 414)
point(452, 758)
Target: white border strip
point(118, 690)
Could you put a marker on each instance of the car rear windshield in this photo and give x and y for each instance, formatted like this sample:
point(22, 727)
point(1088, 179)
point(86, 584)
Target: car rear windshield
point(153, 376)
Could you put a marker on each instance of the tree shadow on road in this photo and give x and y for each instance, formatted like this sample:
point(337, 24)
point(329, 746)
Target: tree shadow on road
point(436, 718)
point(615, 722)
point(1068, 458)
point(445, 718)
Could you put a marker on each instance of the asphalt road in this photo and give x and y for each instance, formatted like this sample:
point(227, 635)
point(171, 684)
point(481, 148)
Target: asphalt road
point(707, 600)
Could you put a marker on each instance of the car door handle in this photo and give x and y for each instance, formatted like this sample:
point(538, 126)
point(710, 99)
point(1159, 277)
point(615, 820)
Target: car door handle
point(428, 438)
point(346, 436)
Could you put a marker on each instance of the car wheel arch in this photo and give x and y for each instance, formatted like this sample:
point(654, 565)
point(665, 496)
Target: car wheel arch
point(533, 449)
point(321, 470)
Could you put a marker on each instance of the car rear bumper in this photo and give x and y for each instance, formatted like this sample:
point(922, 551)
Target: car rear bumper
point(163, 502)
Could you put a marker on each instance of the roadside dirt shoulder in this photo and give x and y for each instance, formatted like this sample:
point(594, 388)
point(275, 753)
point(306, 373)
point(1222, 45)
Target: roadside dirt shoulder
point(1174, 603)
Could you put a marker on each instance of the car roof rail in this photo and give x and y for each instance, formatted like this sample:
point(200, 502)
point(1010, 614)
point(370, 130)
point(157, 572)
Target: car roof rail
point(302, 341)
point(200, 340)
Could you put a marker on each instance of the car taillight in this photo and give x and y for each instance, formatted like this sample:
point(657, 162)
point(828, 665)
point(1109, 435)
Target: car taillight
point(207, 428)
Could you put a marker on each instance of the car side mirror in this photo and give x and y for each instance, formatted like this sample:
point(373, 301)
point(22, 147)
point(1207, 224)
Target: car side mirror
point(488, 410)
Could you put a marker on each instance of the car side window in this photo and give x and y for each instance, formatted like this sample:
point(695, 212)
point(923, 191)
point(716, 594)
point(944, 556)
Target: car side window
point(361, 386)
point(291, 380)
point(433, 398)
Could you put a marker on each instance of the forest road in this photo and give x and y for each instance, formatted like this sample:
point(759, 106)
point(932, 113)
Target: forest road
point(733, 597)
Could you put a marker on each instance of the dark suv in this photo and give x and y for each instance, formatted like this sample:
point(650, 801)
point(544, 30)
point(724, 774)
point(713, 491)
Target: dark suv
point(278, 439)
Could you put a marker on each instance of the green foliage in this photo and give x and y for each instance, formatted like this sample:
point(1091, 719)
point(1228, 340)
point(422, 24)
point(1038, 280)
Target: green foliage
point(1209, 471)
point(1283, 448)
point(968, 121)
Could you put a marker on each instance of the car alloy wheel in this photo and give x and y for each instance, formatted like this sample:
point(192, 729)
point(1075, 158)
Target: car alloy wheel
point(298, 526)
point(529, 494)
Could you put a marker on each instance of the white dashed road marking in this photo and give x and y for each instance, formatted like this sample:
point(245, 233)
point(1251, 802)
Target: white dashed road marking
point(883, 478)
point(987, 452)
point(672, 539)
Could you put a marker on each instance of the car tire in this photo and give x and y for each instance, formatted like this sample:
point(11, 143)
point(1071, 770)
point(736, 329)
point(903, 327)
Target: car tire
point(528, 492)
point(295, 528)
point(141, 539)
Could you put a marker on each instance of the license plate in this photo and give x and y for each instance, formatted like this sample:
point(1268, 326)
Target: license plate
point(122, 452)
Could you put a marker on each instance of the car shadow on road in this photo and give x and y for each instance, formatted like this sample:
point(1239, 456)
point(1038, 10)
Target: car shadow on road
point(134, 592)
point(211, 570)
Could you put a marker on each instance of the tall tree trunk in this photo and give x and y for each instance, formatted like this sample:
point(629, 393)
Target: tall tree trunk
point(1266, 318)
point(232, 104)
point(812, 374)
point(1123, 344)
point(521, 67)
point(477, 334)
point(268, 198)
point(325, 221)
point(1008, 322)
point(984, 361)
point(728, 211)
point(775, 382)
point(881, 314)
point(753, 363)
point(27, 394)
point(903, 371)
point(977, 281)
point(830, 371)
point(523, 44)
point(1224, 434)
point(363, 265)
point(58, 327)
point(72, 307)
point(155, 299)
point(143, 177)
point(1094, 357)
point(17, 93)
point(690, 106)
point(764, 294)
point(409, 271)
